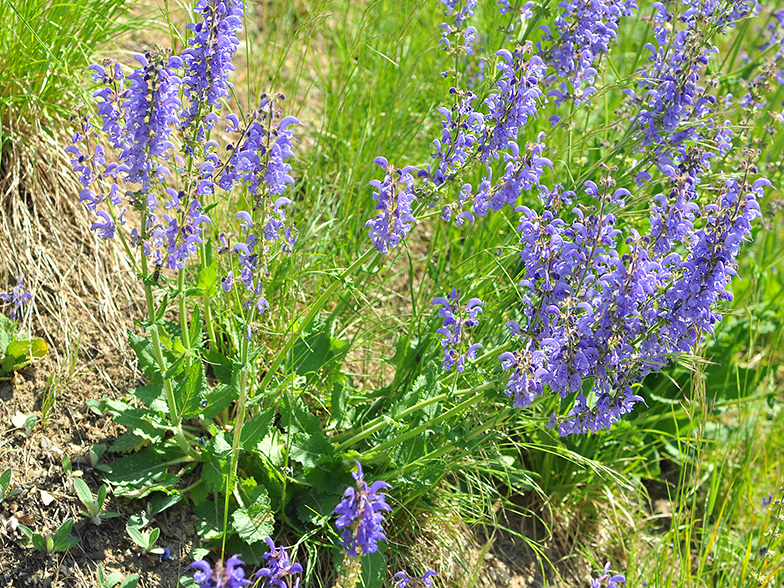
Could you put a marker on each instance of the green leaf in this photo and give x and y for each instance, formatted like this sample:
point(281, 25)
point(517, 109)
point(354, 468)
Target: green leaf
point(178, 364)
point(255, 522)
point(139, 421)
point(162, 308)
point(66, 545)
point(192, 388)
point(217, 399)
point(62, 533)
point(35, 348)
point(343, 414)
point(208, 278)
point(307, 443)
point(153, 396)
point(40, 543)
point(27, 531)
point(310, 450)
point(196, 329)
point(84, 494)
point(374, 570)
point(101, 496)
point(256, 428)
point(5, 482)
point(221, 365)
point(160, 501)
point(213, 474)
point(109, 581)
point(139, 474)
point(128, 442)
point(30, 423)
point(209, 523)
point(7, 330)
point(223, 394)
point(314, 351)
point(315, 508)
point(137, 537)
point(144, 353)
point(130, 582)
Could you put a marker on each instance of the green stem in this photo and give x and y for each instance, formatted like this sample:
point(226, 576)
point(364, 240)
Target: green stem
point(208, 320)
point(186, 335)
point(380, 422)
point(450, 446)
point(159, 359)
point(239, 420)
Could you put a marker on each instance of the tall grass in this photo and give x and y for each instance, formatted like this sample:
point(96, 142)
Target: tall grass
point(45, 46)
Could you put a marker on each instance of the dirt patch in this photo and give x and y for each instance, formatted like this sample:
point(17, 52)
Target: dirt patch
point(45, 495)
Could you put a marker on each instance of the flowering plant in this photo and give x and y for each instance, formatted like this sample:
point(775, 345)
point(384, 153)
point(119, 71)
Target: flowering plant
point(583, 252)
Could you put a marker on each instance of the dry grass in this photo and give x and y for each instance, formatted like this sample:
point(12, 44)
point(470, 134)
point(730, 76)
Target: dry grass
point(45, 236)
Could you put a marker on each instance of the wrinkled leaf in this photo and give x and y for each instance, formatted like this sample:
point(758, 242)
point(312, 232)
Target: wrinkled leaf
point(255, 522)
point(256, 428)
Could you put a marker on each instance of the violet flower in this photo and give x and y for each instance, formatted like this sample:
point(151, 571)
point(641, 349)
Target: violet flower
point(278, 568)
point(208, 57)
point(394, 197)
point(230, 576)
point(404, 581)
point(607, 579)
point(457, 318)
point(18, 296)
point(360, 515)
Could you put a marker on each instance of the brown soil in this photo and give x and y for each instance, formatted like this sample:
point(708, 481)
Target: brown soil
point(46, 497)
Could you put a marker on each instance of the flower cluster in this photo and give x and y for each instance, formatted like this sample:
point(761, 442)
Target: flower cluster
point(607, 579)
point(139, 115)
point(259, 157)
point(516, 99)
point(232, 575)
point(583, 31)
point(251, 268)
point(394, 197)
point(208, 57)
point(18, 296)
point(591, 315)
point(601, 307)
point(522, 173)
point(457, 318)
point(361, 515)
point(460, 12)
point(671, 94)
point(426, 581)
point(278, 568)
point(468, 135)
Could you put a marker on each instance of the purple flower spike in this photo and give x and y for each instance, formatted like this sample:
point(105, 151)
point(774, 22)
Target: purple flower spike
point(426, 581)
point(18, 297)
point(279, 568)
point(456, 318)
point(208, 57)
point(394, 197)
point(360, 516)
point(607, 580)
point(230, 576)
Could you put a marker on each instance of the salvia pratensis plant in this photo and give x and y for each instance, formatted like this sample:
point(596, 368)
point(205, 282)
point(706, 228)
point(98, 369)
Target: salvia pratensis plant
point(602, 303)
point(611, 269)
